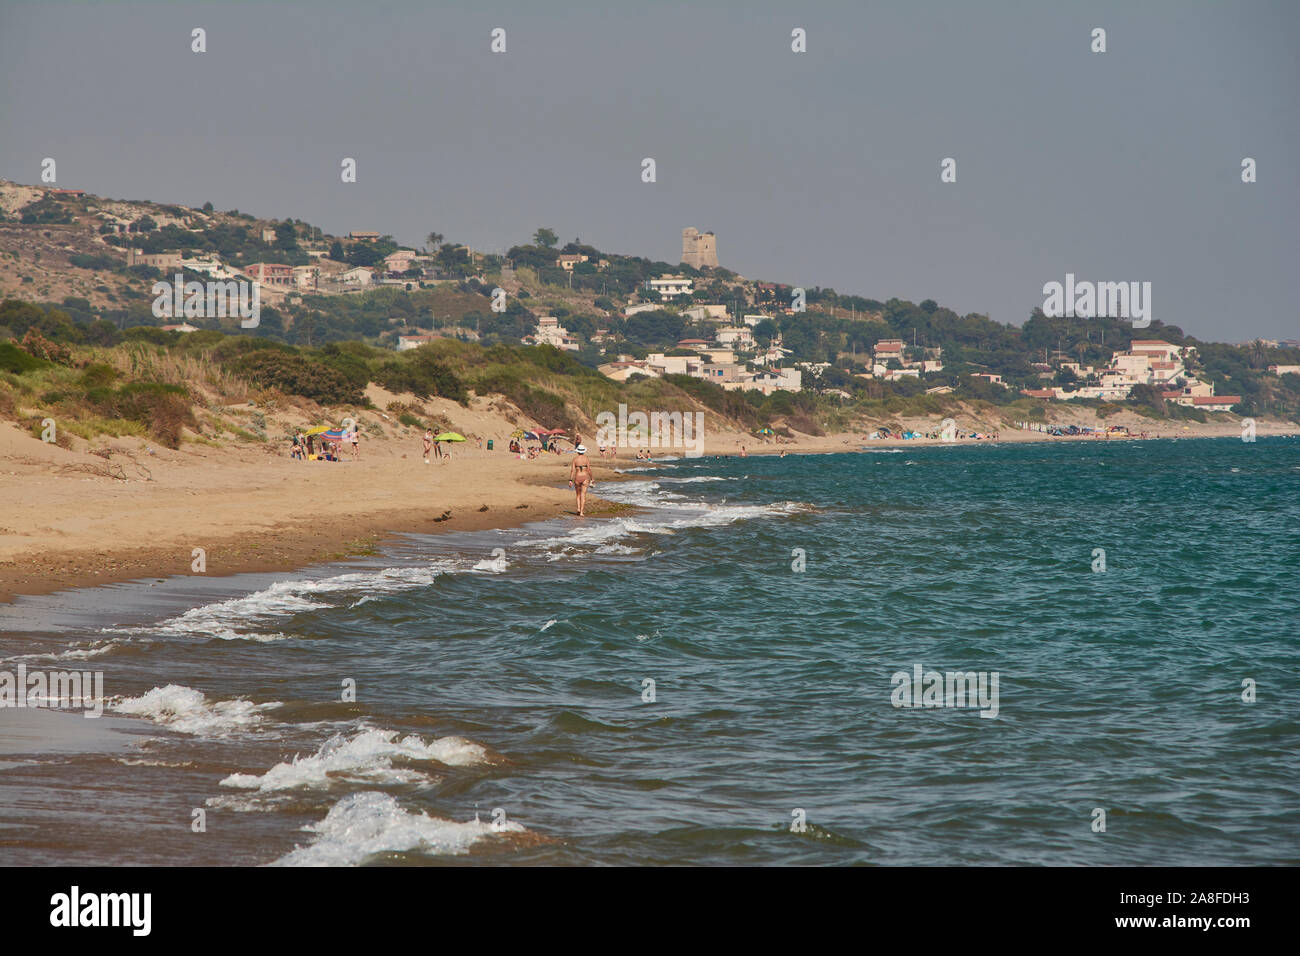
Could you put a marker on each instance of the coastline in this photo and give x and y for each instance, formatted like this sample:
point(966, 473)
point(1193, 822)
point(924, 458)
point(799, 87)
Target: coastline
point(252, 510)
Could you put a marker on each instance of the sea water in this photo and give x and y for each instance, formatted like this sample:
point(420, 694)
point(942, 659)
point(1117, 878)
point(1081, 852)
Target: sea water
point(715, 677)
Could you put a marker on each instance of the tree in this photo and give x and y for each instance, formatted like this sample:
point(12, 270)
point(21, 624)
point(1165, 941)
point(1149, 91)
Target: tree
point(337, 252)
point(286, 237)
point(1146, 395)
point(452, 258)
point(764, 332)
point(1258, 353)
point(364, 254)
point(433, 241)
point(546, 237)
point(654, 328)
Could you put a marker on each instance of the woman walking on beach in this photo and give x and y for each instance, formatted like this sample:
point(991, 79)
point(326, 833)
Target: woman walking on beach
point(428, 443)
point(580, 477)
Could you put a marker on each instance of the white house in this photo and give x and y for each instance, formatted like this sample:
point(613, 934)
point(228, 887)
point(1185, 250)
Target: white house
point(550, 332)
point(711, 313)
point(672, 364)
point(407, 342)
point(358, 276)
point(672, 286)
point(739, 336)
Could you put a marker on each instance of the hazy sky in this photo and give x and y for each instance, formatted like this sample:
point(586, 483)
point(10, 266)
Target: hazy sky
point(816, 168)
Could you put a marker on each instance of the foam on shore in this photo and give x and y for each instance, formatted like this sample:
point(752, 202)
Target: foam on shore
point(367, 756)
point(364, 825)
point(188, 711)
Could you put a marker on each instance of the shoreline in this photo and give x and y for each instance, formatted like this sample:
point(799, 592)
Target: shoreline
point(488, 491)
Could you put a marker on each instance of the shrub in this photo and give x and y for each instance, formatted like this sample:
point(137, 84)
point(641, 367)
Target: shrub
point(804, 423)
point(93, 262)
point(295, 375)
point(38, 345)
point(546, 408)
point(163, 409)
point(15, 360)
point(423, 376)
point(98, 375)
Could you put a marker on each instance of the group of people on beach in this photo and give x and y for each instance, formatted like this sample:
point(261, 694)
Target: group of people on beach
point(302, 447)
point(442, 455)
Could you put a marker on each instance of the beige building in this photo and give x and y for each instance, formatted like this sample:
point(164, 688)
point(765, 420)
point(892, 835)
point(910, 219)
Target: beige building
point(699, 249)
point(622, 371)
point(165, 261)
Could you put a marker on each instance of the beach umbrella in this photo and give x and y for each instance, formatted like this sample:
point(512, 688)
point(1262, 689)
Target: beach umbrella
point(531, 436)
point(518, 433)
point(449, 436)
point(319, 429)
point(333, 434)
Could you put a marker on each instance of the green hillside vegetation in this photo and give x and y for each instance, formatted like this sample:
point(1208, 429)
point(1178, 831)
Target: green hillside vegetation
point(453, 298)
point(158, 384)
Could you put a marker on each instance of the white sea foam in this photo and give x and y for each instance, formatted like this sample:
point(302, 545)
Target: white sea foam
point(497, 565)
point(363, 825)
point(244, 618)
point(188, 711)
point(667, 514)
point(367, 756)
point(81, 650)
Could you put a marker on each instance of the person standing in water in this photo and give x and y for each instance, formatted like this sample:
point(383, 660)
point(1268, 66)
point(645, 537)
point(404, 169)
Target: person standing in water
point(580, 477)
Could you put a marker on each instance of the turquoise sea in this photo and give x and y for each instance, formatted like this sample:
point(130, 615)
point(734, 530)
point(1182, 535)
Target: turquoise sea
point(503, 714)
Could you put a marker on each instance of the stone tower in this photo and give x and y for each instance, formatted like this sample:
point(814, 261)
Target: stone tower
point(699, 249)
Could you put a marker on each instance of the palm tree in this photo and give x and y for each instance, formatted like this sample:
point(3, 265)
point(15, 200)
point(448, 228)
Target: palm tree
point(1258, 353)
point(433, 241)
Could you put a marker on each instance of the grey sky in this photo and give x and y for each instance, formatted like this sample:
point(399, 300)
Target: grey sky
point(819, 168)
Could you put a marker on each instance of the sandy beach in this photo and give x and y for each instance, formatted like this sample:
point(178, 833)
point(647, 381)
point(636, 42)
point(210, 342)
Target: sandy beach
point(82, 519)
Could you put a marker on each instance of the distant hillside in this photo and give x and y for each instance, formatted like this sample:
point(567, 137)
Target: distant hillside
point(68, 253)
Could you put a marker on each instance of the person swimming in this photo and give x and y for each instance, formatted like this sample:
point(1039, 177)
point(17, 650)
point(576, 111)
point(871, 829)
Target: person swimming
point(580, 477)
